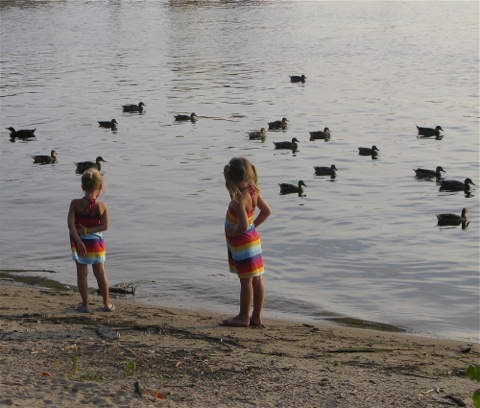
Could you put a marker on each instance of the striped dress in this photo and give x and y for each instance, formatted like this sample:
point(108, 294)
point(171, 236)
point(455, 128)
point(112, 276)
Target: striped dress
point(94, 243)
point(244, 251)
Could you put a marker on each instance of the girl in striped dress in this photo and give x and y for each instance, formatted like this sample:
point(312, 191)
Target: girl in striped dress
point(87, 218)
point(243, 241)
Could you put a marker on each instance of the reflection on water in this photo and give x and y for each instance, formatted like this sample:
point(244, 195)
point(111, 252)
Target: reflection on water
point(362, 246)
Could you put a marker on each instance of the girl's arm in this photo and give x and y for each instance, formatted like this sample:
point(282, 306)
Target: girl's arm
point(73, 229)
point(242, 226)
point(265, 211)
point(103, 226)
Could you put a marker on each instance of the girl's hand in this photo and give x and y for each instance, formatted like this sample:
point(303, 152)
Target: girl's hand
point(81, 249)
point(231, 229)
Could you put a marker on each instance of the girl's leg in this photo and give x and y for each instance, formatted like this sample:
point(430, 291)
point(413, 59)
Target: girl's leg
point(258, 300)
point(101, 276)
point(246, 295)
point(82, 283)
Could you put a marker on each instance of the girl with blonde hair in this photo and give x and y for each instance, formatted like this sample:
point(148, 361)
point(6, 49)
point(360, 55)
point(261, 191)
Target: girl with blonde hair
point(87, 218)
point(243, 241)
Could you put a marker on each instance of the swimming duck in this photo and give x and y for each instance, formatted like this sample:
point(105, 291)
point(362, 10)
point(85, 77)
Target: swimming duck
point(297, 78)
point(455, 185)
point(82, 166)
point(424, 173)
point(278, 124)
point(22, 133)
point(134, 108)
point(429, 132)
point(287, 145)
point(108, 124)
point(452, 219)
point(366, 151)
point(286, 188)
point(44, 159)
point(191, 117)
point(326, 171)
point(260, 135)
point(319, 134)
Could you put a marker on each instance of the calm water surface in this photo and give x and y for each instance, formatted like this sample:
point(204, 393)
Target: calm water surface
point(364, 245)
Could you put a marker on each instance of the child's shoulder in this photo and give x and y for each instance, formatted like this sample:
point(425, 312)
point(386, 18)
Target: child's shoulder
point(76, 201)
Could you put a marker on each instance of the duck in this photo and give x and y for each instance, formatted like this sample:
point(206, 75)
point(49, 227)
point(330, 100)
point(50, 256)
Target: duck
point(425, 173)
point(452, 219)
point(326, 171)
point(319, 134)
point(287, 145)
point(134, 108)
point(367, 151)
point(429, 132)
point(83, 166)
point(45, 159)
point(182, 118)
point(298, 78)
point(21, 133)
point(278, 124)
point(108, 124)
point(286, 188)
point(260, 135)
point(455, 185)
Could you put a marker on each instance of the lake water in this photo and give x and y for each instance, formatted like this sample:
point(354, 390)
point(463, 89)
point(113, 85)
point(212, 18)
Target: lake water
point(364, 246)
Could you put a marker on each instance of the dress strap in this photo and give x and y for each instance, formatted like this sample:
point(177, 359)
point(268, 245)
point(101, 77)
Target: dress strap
point(91, 204)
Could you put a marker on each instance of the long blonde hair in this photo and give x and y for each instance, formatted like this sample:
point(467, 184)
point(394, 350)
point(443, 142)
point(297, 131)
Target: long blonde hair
point(239, 171)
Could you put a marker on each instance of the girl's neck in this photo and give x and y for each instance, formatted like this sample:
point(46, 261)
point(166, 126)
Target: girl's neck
point(91, 196)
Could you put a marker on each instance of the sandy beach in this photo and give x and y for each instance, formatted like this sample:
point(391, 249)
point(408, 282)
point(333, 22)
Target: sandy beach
point(146, 356)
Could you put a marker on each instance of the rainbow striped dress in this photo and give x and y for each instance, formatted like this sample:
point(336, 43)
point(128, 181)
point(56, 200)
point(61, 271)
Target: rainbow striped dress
point(94, 243)
point(244, 251)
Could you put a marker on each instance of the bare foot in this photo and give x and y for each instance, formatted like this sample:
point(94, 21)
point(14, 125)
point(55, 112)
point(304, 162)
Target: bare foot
point(256, 322)
point(235, 322)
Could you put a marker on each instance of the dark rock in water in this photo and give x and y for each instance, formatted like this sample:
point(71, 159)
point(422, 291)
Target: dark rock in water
point(121, 289)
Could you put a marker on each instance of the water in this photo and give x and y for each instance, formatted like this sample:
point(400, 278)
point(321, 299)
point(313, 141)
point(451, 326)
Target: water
point(363, 246)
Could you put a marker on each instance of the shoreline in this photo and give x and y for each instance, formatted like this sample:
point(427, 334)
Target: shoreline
point(143, 355)
point(18, 276)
